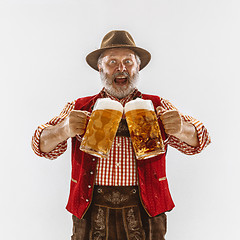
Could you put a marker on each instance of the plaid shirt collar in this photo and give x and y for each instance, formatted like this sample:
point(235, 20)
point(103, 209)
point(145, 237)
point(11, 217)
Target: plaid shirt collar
point(133, 95)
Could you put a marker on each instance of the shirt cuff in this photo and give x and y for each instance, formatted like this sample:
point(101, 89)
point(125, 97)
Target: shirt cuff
point(203, 138)
point(56, 152)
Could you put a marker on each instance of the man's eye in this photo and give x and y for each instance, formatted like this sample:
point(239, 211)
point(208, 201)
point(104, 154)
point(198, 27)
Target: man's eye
point(128, 61)
point(112, 61)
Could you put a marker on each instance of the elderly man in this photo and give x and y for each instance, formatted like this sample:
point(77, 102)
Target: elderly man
point(118, 197)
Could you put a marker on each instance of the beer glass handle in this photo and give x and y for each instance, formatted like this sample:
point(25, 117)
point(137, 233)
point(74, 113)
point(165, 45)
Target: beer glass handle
point(88, 115)
point(78, 137)
point(166, 140)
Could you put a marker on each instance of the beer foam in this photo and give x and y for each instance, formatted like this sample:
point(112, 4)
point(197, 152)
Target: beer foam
point(139, 104)
point(107, 103)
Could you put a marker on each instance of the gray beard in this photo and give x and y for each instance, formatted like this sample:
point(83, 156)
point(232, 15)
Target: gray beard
point(121, 91)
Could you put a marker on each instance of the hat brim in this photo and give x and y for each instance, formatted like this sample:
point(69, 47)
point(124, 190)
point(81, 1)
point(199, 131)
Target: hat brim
point(144, 55)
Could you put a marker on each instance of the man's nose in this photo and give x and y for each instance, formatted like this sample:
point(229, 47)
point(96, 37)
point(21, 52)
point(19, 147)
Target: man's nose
point(121, 67)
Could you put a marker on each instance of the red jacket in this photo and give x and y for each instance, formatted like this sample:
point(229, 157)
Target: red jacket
point(152, 182)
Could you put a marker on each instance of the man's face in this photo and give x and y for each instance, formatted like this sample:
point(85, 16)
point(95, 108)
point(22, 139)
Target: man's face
point(119, 71)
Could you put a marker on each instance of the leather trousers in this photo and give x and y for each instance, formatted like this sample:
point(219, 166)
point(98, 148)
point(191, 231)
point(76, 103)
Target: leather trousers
point(116, 213)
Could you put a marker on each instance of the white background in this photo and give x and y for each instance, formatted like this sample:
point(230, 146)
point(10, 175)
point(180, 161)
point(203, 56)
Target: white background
point(195, 64)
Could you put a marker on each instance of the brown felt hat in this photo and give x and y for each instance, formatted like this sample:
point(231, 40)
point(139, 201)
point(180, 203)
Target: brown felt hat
point(118, 39)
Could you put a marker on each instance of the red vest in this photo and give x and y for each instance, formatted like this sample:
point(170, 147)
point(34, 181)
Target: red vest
point(152, 182)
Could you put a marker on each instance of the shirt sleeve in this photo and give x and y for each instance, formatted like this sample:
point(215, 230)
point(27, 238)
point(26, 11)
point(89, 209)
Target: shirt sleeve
point(202, 133)
point(61, 147)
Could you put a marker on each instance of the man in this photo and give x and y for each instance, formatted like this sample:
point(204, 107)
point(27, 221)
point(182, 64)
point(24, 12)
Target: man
point(118, 197)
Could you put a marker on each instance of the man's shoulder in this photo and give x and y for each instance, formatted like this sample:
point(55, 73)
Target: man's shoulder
point(86, 98)
point(82, 101)
point(147, 95)
point(156, 99)
point(152, 97)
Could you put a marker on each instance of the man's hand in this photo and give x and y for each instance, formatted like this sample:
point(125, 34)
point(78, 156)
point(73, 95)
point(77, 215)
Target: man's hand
point(72, 125)
point(174, 125)
point(171, 120)
point(76, 123)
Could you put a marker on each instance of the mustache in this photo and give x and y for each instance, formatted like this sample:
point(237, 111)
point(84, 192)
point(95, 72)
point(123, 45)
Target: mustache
point(125, 74)
point(121, 92)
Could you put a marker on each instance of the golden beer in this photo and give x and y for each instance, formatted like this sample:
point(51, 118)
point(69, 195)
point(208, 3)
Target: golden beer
point(102, 127)
point(144, 129)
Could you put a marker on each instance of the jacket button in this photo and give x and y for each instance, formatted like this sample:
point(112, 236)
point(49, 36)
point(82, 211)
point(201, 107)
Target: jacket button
point(87, 200)
point(99, 190)
point(91, 172)
point(93, 159)
point(89, 186)
point(134, 190)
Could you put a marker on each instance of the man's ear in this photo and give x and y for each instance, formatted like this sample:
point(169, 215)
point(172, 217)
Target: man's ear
point(99, 68)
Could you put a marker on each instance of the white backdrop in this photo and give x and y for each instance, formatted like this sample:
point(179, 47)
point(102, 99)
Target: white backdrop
point(195, 64)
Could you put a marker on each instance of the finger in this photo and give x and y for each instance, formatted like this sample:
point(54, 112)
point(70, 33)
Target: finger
point(174, 119)
point(77, 124)
point(170, 114)
point(172, 128)
point(171, 131)
point(83, 115)
point(76, 121)
point(80, 113)
point(171, 120)
point(79, 131)
point(78, 128)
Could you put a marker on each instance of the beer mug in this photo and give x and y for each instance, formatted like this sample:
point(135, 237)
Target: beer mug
point(144, 129)
point(102, 127)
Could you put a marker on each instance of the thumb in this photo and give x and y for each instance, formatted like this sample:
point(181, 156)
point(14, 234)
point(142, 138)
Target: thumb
point(160, 110)
point(88, 114)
